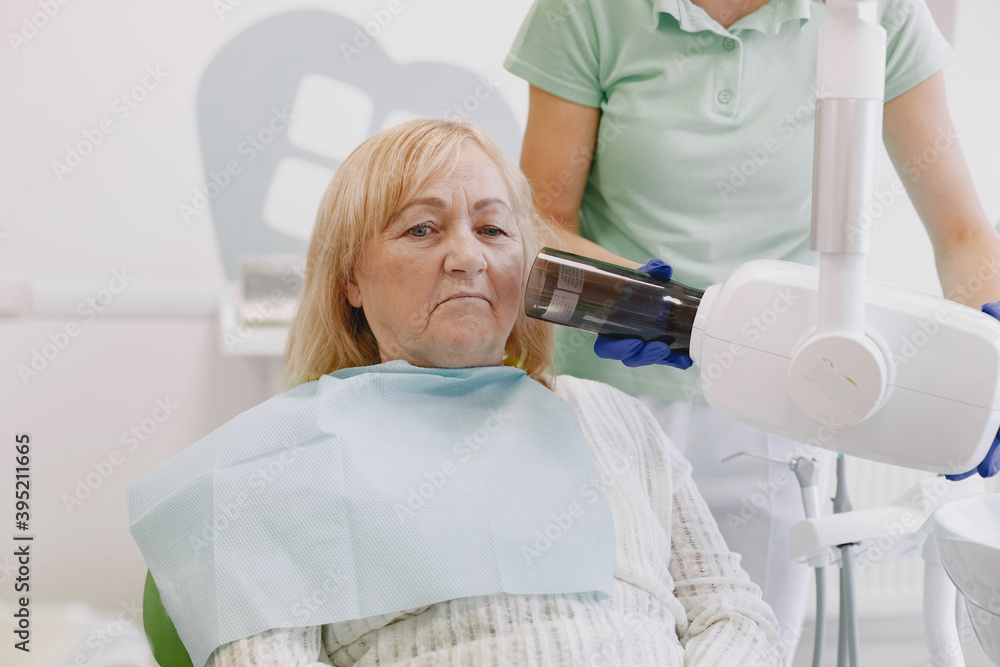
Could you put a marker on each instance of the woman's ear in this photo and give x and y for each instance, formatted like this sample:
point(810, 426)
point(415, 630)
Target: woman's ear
point(353, 293)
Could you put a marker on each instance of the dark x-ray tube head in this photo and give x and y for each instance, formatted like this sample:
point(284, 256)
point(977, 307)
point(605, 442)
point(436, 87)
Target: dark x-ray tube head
point(603, 298)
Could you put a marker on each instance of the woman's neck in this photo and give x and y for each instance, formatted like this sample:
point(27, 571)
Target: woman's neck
point(728, 12)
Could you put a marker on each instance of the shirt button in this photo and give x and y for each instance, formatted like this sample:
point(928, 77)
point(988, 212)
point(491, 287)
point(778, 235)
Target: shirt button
point(728, 44)
point(724, 96)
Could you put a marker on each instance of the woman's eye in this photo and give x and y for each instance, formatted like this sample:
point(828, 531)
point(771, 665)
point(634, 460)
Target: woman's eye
point(494, 231)
point(422, 228)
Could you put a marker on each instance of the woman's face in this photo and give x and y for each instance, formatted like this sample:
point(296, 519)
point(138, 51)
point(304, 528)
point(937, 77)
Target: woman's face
point(441, 285)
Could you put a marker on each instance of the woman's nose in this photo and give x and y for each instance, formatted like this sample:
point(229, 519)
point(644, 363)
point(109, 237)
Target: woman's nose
point(464, 252)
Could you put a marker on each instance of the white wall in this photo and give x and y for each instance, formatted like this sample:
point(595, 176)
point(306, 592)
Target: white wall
point(118, 210)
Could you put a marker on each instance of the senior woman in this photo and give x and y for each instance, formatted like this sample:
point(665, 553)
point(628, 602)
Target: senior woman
point(432, 494)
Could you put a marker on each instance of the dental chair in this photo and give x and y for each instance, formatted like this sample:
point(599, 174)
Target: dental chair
point(160, 631)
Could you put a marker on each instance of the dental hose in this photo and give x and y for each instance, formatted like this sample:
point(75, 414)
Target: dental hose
point(847, 572)
point(842, 626)
point(806, 469)
point(820, 617)
point(847, 627)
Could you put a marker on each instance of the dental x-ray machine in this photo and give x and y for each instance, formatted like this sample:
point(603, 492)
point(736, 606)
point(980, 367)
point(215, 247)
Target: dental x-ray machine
point(860, 367)
point(824, 356)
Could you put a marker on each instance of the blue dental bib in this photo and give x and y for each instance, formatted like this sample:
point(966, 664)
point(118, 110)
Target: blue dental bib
point(374, 490)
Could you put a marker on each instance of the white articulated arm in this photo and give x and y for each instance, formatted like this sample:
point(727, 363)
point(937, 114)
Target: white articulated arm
point(839, 374)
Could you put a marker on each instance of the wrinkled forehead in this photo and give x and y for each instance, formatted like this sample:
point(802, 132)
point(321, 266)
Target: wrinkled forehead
point(469, 172)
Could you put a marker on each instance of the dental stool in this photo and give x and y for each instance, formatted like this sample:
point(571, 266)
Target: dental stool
point(163, 639)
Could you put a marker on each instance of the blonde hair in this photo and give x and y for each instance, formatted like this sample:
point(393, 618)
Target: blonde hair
point(375, 181)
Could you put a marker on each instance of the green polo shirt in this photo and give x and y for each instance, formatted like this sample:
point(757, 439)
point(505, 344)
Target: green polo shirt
point(705, 145)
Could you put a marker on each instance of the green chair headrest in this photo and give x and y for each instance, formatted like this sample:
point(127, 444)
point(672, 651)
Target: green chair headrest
point(167, 647)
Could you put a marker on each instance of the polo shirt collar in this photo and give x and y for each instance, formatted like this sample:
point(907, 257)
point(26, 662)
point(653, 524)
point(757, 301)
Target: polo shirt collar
point(768, 19)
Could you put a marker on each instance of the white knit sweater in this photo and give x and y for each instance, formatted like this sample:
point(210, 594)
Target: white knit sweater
point(679, 596)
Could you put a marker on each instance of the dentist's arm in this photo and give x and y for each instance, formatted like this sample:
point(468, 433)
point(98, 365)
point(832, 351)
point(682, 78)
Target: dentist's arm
point(923, 146)
point(558, 148)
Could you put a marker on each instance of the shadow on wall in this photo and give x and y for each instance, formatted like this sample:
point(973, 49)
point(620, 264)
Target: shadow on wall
point(284, 102)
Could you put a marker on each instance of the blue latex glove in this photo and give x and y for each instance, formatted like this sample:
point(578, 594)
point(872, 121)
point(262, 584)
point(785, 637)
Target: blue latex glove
point(991, 464)
point(634, 352)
